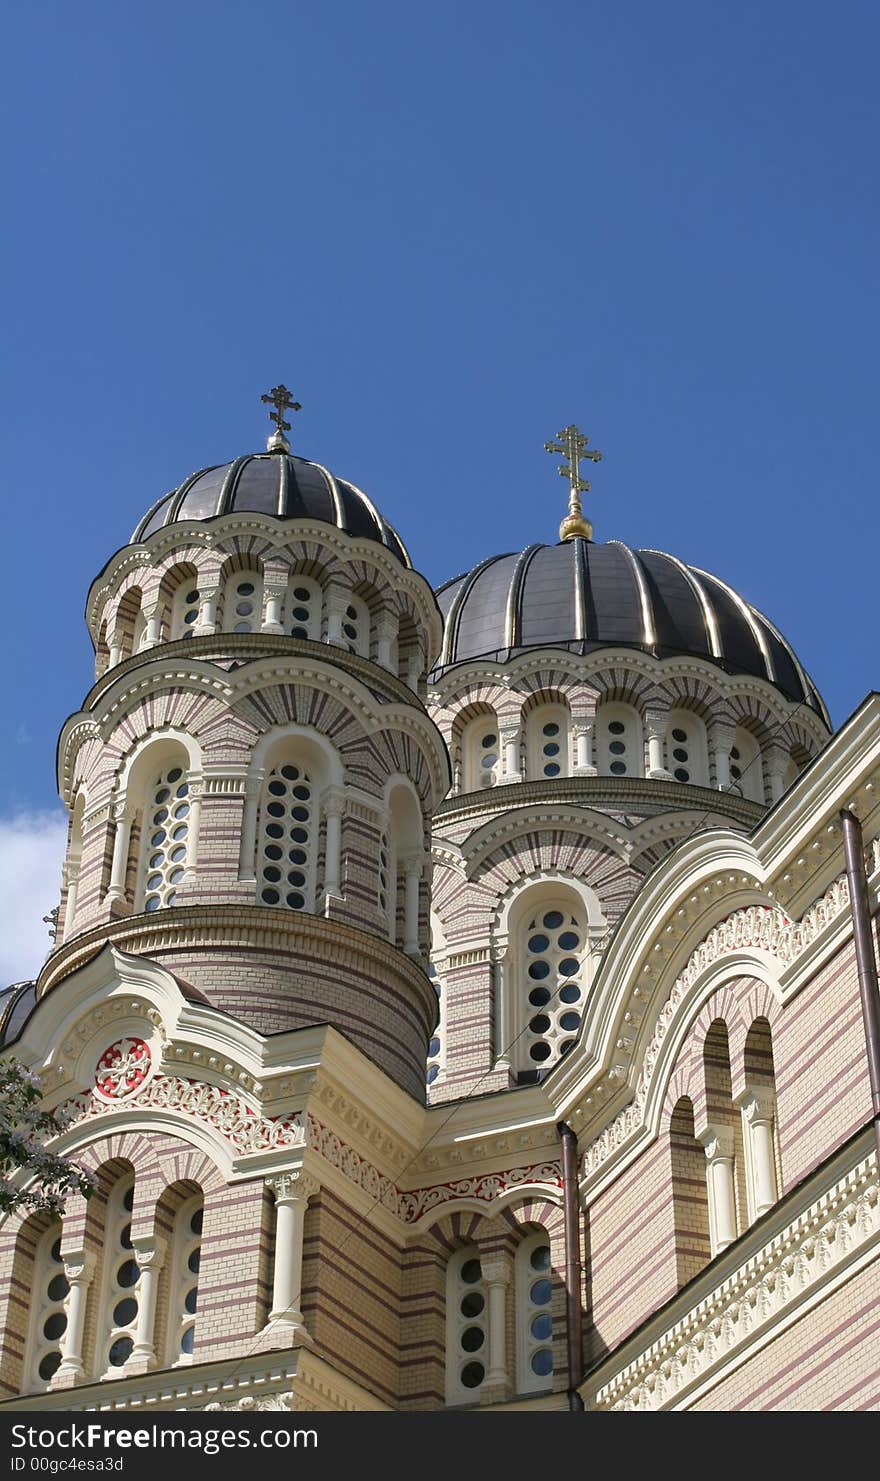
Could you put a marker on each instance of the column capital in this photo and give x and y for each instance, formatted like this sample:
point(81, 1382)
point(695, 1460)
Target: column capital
point(496, 1269)
point(718, 1142)
point(79, 1266)
point(756, 1105)
point(293, 1186)
point(656, 721)
point(333, 802)
point(150, 1252)
point(413, 862)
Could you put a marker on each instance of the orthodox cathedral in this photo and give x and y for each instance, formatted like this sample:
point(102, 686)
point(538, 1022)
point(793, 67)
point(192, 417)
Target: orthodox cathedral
point(460, 998)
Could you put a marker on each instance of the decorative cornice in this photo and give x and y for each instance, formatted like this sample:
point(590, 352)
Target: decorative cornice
point(243, 1128)
point(240, 927)
point(597, 792)
point(411, 1204)
point(744, 1309)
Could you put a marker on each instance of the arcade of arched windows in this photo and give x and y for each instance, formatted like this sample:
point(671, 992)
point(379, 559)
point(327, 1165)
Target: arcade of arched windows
point(241, 597)
point(545, 742)
point(725, 1160)
point(90, 1313)
point(504, 1299)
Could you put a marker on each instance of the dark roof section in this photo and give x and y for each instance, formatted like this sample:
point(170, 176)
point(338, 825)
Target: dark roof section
point(275, 484)
point(581, 596)
point(17, 1003)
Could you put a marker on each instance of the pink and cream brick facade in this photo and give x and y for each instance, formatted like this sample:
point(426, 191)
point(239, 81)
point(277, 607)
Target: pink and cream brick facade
point(371, 892)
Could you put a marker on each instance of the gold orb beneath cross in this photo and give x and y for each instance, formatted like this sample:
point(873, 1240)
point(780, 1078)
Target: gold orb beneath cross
point(575, 526)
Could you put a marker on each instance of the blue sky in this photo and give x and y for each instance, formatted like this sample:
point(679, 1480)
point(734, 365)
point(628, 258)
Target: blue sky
point(450, 229)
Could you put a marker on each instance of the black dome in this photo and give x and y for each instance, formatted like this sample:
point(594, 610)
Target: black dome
point(581, 596)
point(275, 484)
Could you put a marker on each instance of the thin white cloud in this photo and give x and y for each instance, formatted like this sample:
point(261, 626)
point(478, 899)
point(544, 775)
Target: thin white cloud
point(31, 850)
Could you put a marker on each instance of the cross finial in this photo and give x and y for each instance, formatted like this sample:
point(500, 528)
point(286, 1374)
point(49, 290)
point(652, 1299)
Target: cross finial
point(281, 399)
point(574, 447)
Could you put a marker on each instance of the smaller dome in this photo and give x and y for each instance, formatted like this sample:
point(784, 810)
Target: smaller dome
point(276, 484)
point(582, 596)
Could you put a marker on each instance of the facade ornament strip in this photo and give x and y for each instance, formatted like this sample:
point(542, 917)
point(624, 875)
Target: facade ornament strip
point(802, 1258)
point(241, 1126)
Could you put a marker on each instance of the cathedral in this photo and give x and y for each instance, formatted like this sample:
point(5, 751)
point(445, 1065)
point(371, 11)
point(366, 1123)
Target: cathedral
point(461, 998)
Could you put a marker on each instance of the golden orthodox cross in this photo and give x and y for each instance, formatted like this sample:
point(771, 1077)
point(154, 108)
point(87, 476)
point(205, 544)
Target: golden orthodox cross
point(281, 399)
point(574, 447)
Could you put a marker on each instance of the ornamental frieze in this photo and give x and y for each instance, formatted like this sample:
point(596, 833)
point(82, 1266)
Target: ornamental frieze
point(241, 1126)
point(411, 1205)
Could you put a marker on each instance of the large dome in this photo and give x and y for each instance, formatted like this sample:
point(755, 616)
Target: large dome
point(275, 484)
point(581, 596)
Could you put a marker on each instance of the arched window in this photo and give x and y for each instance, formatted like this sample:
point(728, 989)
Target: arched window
point(48, 1290)
point(550, 967)
point(287, 836)
point(620, 742)
point(547, 743)
point(466, 1327)
point(184, 1284)
point(184, 610)
point(722, 1141)
point(687, 752)
point(690, 1206)
point(242, 602)
point(102, 652)
point(401, 864)
point(759, 1123)
point(480, 752)
point(131, 624)
point(165, 839)
point(302, 611)
point(119, 1298)
point(534, 1316)
point(356, 625)
point(746, 771)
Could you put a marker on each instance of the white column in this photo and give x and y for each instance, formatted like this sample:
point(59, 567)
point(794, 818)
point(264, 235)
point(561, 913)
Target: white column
point(583, 738)
point(720, 739)
point(414, 866)
point(153, 628)
point(511, 739)
point(775, 762)
point(718, 1143)
point(333, 803)
point(655, 726)
point(72, 892)
point(272, 620)
point(207, 621)
point(149, 1254)
point(79, 1267)
point(386, 632)
point(292, 1193)
point(336, 604)
point(115, 647)
point(414, 670)
point(759, 1114)
point(503, 1020)
point(496, 1274)
point(195, 818)
point(116, 890)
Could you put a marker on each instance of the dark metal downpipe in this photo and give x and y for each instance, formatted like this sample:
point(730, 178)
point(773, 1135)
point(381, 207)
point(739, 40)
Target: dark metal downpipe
point(573, 1309)
point(863, 937)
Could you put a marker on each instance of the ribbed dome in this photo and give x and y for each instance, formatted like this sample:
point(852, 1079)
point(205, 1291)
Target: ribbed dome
point(275, 484)
point(581, 596)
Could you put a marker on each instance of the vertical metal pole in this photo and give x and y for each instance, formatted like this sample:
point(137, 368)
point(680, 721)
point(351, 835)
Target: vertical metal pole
point(863, 937)
point(574, 1311)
